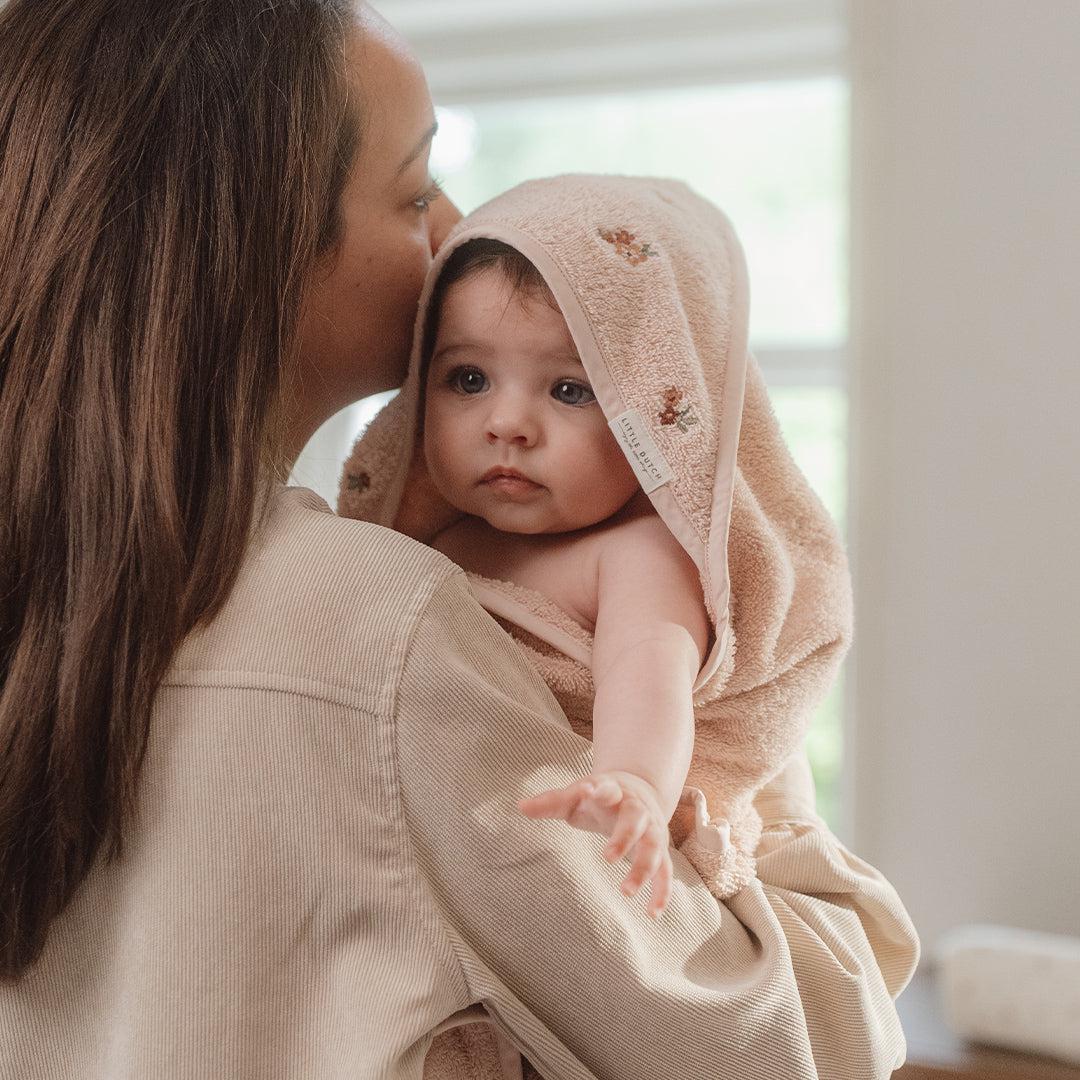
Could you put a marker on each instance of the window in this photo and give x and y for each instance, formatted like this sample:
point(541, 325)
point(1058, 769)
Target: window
point(746, 102)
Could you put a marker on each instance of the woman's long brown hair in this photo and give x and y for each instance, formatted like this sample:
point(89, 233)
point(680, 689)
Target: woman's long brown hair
point(170, 175)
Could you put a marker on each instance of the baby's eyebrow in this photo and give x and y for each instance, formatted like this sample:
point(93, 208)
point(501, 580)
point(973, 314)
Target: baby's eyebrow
point(553, 356)
point(458, 346)
point(562, 356)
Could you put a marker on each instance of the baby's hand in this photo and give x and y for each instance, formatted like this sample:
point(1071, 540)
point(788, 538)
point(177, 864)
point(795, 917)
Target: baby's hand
point(625, 807)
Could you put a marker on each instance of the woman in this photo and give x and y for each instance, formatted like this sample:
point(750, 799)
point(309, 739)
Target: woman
point(254, 818)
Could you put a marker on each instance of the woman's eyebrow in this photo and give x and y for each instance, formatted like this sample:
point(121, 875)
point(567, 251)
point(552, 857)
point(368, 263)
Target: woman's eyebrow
point(419, 149)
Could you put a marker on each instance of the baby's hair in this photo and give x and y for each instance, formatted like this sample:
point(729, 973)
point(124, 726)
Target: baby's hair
point(474, 256)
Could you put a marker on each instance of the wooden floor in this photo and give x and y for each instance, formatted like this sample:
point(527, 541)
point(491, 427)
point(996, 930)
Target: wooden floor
point(934, 1053)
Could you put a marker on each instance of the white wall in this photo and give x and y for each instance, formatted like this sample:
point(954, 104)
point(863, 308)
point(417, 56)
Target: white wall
point(966, 457)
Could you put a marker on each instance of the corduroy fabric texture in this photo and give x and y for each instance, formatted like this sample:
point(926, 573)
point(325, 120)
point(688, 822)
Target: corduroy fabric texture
point(328, 866)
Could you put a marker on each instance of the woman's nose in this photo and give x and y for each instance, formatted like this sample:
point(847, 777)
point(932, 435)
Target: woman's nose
point(444, 215)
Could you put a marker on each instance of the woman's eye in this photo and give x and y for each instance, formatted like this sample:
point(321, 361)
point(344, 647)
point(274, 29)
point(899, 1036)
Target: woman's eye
point(572, 393)
point(425, 199)
point(467, 380)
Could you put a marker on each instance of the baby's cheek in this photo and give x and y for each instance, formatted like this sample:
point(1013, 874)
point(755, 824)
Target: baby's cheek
point(438, 451)
point(621, 483)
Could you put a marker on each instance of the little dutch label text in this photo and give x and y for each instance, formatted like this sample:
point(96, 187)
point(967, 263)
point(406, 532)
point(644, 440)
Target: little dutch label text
point(640, 450)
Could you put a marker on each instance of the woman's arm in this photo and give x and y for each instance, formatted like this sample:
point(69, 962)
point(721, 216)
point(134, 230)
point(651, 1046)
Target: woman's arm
point(572, 972)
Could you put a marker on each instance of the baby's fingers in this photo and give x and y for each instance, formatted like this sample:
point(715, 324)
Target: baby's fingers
point(633, 821)
point(651, 860)
point(607, 792)
point(661, 886)
point(558, 803)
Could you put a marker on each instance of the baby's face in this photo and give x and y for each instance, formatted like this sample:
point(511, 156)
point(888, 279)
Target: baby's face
point(506, 389)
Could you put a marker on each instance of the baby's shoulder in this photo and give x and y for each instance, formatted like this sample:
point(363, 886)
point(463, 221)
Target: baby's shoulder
point(646, 577)
point(639, 534)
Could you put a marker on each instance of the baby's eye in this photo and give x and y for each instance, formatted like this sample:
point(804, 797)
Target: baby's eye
point(575, 393)
point(467, 380)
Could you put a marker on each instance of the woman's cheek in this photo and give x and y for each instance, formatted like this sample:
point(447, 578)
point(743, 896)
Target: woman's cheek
point(400, 261)
point(410, 275)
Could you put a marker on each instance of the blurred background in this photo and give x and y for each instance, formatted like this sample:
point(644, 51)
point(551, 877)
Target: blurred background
point(905, 179)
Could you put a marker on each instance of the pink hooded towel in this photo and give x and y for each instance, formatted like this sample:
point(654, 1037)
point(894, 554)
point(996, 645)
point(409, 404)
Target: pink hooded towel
point(652, 282)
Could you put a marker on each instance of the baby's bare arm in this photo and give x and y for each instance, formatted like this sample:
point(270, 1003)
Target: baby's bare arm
point(648, 646)
point(650, 639)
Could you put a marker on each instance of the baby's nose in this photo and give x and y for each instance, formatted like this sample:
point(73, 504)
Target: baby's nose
point(512, 426)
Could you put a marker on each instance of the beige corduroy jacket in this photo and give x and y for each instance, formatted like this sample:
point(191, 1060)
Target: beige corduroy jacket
point(328, 866)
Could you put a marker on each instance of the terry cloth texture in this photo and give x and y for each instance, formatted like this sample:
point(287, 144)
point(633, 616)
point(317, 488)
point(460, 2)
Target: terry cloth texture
point(651, 280)
point(327, 864)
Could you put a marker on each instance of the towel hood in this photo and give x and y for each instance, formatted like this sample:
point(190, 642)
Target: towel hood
point(652, 282)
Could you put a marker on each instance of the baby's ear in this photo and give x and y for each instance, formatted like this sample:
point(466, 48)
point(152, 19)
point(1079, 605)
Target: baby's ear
point(423, 511)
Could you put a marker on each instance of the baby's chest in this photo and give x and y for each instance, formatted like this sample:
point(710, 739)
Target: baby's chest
point(562, 568)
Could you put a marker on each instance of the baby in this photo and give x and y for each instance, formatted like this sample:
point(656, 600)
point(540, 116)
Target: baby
point(514, 437)
point(585, 432)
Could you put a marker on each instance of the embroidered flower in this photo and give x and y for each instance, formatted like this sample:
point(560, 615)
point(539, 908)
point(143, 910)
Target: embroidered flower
point(357, 481)
point(628, 246)
point(672, 414)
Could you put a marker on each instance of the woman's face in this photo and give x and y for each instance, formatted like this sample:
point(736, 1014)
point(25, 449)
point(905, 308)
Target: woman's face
point(506, 389)
point(357, 324)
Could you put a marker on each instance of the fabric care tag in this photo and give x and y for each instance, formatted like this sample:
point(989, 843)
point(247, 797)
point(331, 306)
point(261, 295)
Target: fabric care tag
point(640, 450)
